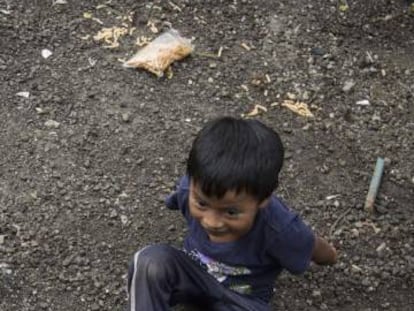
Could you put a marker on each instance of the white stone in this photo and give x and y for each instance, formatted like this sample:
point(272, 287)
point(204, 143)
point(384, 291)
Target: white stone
point(23, 94)
point(52, 124)
point(46, 53)
point(364, 102)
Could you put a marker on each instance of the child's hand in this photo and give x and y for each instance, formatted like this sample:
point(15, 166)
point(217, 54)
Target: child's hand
point(323, 252)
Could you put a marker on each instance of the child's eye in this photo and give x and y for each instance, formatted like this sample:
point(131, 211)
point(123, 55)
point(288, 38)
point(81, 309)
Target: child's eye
point(232, 212)
point(201, 203)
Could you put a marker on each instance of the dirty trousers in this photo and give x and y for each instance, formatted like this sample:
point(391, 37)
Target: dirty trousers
point(161, 276)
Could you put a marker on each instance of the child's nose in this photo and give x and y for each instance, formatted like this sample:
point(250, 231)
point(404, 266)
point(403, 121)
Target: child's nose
point(213, 222)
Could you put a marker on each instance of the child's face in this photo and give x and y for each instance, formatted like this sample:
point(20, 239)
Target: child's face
point(226, 219)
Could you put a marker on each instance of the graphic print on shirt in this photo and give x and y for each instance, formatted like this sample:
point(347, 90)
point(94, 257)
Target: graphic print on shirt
point(221, 271)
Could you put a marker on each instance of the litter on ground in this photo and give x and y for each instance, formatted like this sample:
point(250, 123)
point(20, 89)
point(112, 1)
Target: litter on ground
point(160, 53)
point(256, 110)
point(297, 107)
point(111, 36)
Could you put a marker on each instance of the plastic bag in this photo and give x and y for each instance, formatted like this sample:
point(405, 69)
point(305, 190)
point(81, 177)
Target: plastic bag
point(158, 55)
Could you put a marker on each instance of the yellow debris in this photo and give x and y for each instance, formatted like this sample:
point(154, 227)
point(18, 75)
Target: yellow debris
point(245, 46)
point(87, 15)
point(291, 96)
point(111, 36)
point(343, 7)
point(256, 110)
point(220, 51)
point(169, 73)
point(300, 108)
point(152, 27)
point(141, 41)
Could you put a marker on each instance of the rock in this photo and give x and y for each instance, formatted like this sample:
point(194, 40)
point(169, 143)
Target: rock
point(364, 102)
point(318, 51)
point(43, 305)
point(23, 94)
point(381, 248)
point(141, 225)
point(355, 269)
point(366, 282)
point(358, 224)
point(52, 124)
point(349, 84)
point(46, 53)
point(124, 219)
point(355, 232)
point(316, 294)
point(2, 237)
point(113, 214)
point(66, 262)
point(126, 117)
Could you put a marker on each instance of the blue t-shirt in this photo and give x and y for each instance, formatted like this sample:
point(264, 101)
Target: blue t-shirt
point(278, 240)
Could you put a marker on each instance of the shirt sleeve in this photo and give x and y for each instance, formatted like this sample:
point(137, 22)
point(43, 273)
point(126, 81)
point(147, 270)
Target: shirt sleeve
point(178, 200)
point(293, 246)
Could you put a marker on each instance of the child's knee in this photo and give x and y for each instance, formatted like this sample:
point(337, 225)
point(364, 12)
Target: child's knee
point(154, 263)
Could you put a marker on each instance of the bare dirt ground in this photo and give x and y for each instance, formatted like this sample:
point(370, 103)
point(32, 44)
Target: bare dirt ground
point(89, 153)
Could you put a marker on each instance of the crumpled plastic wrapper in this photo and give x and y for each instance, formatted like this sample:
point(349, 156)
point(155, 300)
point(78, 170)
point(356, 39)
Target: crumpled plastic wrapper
point(159, 54)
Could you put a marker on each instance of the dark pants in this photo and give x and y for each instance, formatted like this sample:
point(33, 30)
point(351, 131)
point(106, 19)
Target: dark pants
point(161, 276)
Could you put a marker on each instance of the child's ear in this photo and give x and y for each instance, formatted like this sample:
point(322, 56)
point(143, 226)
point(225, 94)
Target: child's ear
point(264, 203)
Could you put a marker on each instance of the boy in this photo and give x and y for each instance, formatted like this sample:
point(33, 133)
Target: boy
point(240, 235)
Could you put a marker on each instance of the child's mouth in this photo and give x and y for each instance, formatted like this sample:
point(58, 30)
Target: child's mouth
point(216, 232)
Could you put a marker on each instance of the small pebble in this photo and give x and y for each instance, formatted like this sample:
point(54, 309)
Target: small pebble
point(46, 53)
point(52, 124)
point(124, 219)
point(318, 51)
point(364, 102)
point(113, 214)
point(348, 86)
point(355, 232)
point(381, 247)
point(126, 117)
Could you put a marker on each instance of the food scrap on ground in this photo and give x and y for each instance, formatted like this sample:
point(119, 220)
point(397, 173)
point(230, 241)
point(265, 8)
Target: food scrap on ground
point(297, 107)
point(245, 46)
point(111, 36)
point(152, 27)
point(256, 110)
point(88, 15)
point(141, 41)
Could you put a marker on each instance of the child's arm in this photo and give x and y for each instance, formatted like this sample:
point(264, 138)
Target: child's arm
point(323, 252)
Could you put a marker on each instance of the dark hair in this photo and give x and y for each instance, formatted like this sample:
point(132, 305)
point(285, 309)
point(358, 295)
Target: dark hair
point(236, 154)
